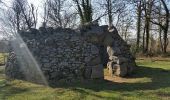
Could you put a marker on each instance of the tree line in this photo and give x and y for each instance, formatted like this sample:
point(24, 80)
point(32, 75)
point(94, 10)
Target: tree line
point(148, 19)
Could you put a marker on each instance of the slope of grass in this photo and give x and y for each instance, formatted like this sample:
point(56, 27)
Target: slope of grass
point(151, 81)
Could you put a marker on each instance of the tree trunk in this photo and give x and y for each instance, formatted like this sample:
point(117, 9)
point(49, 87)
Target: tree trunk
point(165, 41)
point(109, 8)
point(160, 29)
point(139, 12)
point(84, 10)
point(148, 11)
point(147, 25)
point(18, 22)
point(160, 39)
point(166, 26)
point(144, 40)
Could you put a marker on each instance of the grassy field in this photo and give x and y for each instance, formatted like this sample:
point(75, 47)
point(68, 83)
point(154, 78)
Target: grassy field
point(151, 81)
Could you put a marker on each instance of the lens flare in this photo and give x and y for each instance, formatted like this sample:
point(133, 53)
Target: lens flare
point(28, 64)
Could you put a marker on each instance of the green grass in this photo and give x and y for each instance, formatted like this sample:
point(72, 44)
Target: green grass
point(151, 81)
point(2, 56)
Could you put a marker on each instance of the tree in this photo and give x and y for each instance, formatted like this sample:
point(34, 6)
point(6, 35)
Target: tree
point(162, 25)
point(112, 9)
point(22, 4)
point(56, 14)
point(160, 20)
point(25, 15)
point(147, 6)
point(84, 8)
point(34, 15)
point(109, 11)
point(165, 26)
point(16, 20)
point(139, 15)
point(125, 25)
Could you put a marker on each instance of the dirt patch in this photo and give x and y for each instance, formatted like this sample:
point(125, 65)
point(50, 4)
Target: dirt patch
point(120, 80)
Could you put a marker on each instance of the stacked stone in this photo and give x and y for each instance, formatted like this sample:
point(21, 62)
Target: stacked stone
point(120, 61)
point(65, 54)
point(62, 54)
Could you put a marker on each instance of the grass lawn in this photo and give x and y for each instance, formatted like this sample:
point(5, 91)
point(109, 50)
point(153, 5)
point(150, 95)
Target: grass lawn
point(151, 81)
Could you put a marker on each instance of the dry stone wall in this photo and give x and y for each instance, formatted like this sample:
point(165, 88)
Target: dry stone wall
point(114, 50)
point(62, 54)
point(65, 54)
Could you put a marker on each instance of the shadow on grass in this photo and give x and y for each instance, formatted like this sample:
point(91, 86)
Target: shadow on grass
point(160, 78)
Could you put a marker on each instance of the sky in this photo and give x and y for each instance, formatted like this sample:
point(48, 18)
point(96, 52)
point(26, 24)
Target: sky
point(37, 3)
point(40, 4)
point(7, 3)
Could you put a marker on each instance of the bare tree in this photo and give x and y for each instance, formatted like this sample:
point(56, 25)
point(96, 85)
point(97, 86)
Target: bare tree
point(25, 14)
point(125, 25)
point(147, 6)
point(138, 7)
point(34, 15)
point(22, 4)
point(160, 14)
point(113, 9)
point(160, 20)
point(109, 10)
point(165, 26)
point(17, 17)
point(56, 14)
point(46, 12)
point(84, 8)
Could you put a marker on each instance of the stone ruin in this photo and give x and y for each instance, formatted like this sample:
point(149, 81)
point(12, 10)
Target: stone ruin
point(65, 54)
